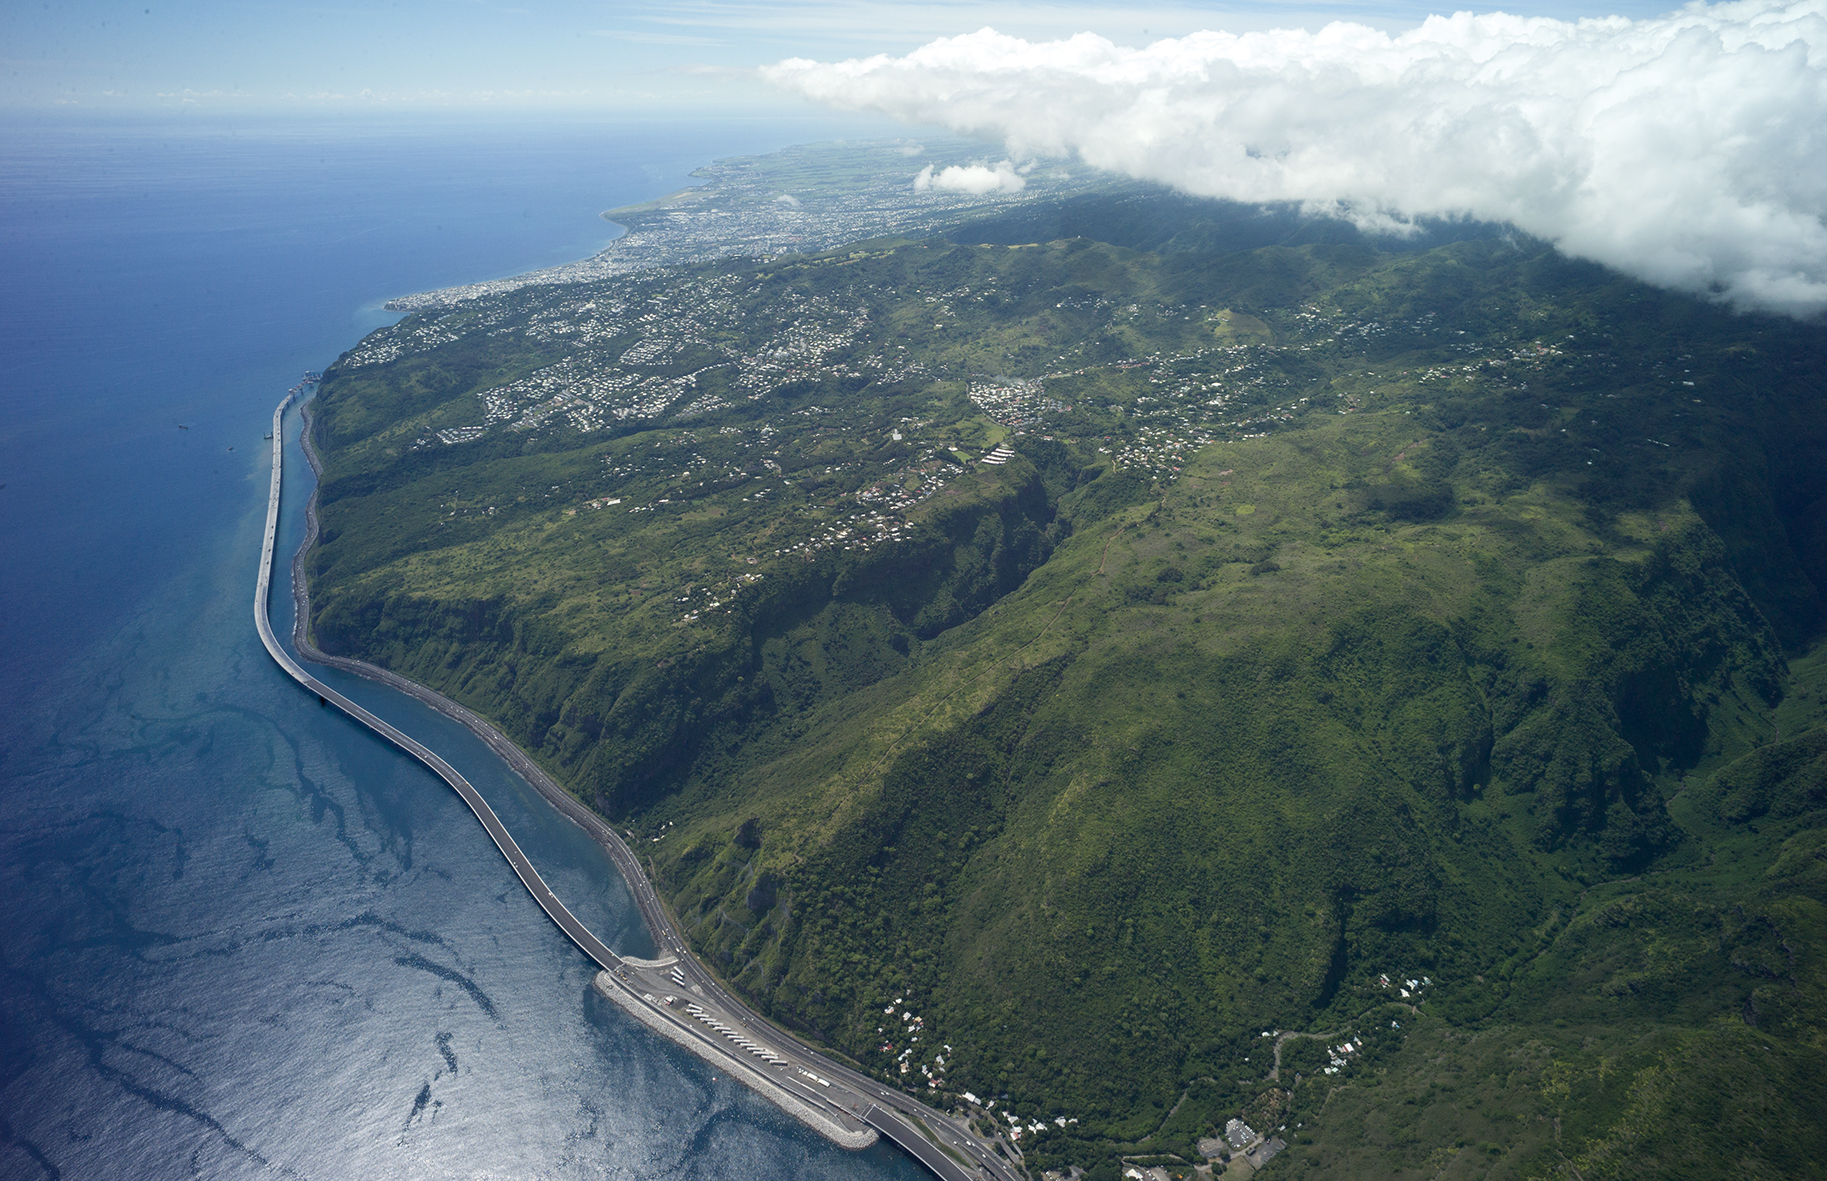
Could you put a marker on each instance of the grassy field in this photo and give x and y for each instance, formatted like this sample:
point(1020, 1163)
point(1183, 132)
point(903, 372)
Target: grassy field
point(1329, 620)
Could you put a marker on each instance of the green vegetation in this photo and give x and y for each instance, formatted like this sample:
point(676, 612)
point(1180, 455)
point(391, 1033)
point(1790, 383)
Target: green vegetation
point(1042, 671)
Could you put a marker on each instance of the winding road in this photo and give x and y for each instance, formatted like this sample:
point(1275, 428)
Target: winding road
point(844, 1097)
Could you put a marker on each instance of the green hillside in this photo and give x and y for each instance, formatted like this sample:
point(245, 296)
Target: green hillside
point(1109, 658)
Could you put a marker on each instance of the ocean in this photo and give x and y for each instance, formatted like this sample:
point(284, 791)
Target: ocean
point(239, 936)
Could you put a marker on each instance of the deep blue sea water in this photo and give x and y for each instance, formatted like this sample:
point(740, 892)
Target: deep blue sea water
point(240, 937)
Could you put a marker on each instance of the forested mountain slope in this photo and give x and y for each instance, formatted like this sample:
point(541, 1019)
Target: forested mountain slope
point(1110, 658)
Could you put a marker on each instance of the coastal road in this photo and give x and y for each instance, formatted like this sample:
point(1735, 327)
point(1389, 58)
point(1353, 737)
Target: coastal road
point(849, 1098)
point(529, 877)
point(920, 1148)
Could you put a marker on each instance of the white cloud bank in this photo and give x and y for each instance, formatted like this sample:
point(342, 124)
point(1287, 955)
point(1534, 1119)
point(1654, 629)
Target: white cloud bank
point(972, 178)
point(1689, 150)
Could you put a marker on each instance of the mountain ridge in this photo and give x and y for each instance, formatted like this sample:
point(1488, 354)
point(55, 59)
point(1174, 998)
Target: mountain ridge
point(1298, 644)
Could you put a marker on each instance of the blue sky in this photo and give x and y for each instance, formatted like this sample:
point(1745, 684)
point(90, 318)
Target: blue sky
point(550, 55)
point(1681, 146)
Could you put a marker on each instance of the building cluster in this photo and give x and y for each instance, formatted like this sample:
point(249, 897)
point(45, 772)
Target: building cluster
point(715, 596)
point(1240, 390)
point(905, 1023)
point(390, 344)
point(1409, 988)
point(800, 201)
point(1192, 405)
point(626, 345)
point(1015, 402)
point(593, 387)
point(1161, 450)
point(1245, 1141)
point(1036, 1126)
point(803, 349)
point(879, 522)
point(1337, 1056)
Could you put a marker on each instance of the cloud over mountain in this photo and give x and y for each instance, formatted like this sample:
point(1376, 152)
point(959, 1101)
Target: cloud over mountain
point(972, 178)
point(1689, 150)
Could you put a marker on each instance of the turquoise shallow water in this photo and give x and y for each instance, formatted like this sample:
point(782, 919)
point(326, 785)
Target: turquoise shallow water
point(241, 937)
